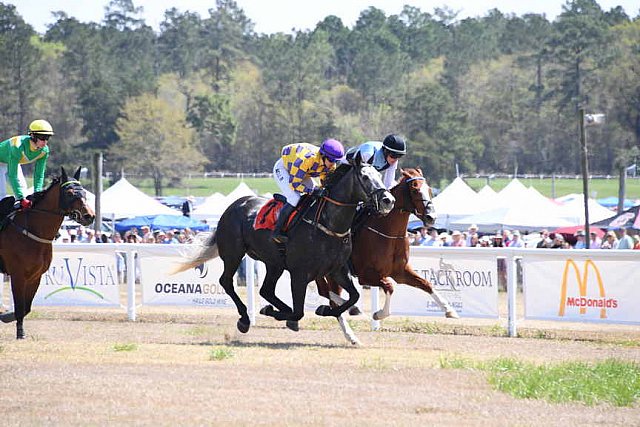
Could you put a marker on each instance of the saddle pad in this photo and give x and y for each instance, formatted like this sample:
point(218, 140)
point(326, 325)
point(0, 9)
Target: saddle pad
point(267, 215)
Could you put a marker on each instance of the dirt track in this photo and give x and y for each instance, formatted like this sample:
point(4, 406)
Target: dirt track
point(69, 372)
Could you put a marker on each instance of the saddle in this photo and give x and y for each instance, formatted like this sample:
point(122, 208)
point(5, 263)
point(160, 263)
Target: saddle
point(268, 214)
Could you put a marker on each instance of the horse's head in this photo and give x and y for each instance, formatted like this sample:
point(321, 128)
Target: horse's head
point(370, 187)
point(73, 199)
point(419, 197)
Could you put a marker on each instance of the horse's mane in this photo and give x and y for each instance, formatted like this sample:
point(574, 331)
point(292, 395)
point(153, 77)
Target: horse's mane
point(336, 175)
point(39, 195)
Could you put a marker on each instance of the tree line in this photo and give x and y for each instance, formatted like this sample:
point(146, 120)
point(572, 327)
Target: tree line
point(498, 93)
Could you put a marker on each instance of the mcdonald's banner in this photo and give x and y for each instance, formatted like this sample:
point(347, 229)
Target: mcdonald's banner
point(594, 286)
point(78, 276)
point(197, 286)
point(465, 277)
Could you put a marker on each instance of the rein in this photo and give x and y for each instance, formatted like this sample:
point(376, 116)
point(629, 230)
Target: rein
point(384, 235)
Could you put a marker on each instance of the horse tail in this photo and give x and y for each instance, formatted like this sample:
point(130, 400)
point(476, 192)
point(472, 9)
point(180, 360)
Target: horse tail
point(208, 251)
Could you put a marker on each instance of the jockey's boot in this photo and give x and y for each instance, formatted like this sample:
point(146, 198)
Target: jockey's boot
point(278, 235)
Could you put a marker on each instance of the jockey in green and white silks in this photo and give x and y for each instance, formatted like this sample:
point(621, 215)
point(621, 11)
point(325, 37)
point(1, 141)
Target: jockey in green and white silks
point(23, 149)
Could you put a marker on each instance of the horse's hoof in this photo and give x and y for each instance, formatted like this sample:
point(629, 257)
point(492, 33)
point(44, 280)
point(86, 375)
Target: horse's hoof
point(324, 310)
point(8, 317)
point(376, 316)
point(243, 327)
point(452, 314)
point(293, 325)
point(267, 310)
point(355, 311)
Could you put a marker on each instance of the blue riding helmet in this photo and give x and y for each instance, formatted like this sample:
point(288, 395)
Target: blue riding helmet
point(332, 149)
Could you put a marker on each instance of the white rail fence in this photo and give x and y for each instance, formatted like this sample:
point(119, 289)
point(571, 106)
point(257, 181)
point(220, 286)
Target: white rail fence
point(559, 285)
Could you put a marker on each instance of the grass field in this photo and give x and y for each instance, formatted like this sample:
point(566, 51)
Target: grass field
point(598, 188)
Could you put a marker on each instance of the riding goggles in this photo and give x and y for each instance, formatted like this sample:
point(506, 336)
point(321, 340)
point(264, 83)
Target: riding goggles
point(42, 137)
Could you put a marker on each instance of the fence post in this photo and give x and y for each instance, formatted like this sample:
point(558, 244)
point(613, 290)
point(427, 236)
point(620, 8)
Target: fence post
point(131, 285)
point(375, 306)
point(250, 275)
point(2, 291)
point(512, 291)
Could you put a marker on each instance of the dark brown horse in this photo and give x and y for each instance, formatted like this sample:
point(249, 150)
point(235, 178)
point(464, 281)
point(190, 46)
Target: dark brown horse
point(25, 242)
point(380, 252)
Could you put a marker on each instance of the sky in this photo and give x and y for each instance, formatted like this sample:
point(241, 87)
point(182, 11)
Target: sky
point(270, 16)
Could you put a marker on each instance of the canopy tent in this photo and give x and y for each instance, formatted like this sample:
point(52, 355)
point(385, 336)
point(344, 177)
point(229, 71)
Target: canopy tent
point(161, 222)
point(573, 210)
point(212, 207)
point(123, 200)
point(240, 191)
point(456, 201)
point(612, 202)
point(629, 218)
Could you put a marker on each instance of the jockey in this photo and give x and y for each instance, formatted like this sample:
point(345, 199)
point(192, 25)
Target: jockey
point(294, 170)
point(383, 156)
point(25, 149)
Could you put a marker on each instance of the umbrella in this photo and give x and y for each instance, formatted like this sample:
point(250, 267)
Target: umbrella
point(572, 230)
point(161, 222)
point(628, 219)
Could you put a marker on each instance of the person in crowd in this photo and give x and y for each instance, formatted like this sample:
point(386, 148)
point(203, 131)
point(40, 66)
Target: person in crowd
point(444, 239)
point(187, 206)
point(580, 240)
point(636, 242)
point(545, 241)
point(411, 236)
point(24, 149)
point(457, 240)
point(516, 241)
point(557, 241)
point(626, 240)
point(497, 241)
point(610, 240)
point(423, 236)
point(474, 241)
point(473, 229)
point(382, 155)
point(293, 173)
point(433, 239)
point(170, 238)
point(594, 241)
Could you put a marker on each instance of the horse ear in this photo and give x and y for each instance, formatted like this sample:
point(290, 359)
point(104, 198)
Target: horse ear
point(357, 160)
point(63, 174)
point(76, 175)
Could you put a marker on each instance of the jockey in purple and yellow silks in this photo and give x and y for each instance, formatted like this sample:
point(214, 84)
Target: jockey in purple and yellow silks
point(294, 170)
point(27, 149)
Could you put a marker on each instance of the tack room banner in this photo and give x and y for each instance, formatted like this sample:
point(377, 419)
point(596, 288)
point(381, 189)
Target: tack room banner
point(585, 286)
point(466, 277)
point(80, 274)
point(198, 286)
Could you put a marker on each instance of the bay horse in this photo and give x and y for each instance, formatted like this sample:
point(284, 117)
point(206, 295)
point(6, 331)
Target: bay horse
point(25, 241)
point(381, 249)
point(319, 245)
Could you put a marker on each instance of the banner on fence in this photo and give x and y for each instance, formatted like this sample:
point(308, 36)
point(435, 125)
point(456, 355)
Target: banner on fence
point(467, 279)
point(77, 276)
point(580, 288)
point(198, 286)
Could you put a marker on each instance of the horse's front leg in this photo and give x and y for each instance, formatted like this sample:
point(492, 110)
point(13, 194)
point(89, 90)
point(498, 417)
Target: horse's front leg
point(387, 284)
point(299, 282)
point(411, 278)
point(19, 291)
point(268, 292)
point(342, 279)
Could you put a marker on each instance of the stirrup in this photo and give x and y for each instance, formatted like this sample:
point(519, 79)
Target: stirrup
point(280, 238)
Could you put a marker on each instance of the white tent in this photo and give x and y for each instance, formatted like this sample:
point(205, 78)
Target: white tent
point(212, 207)
point(123, 200)
point(456, 201)
point(573, 210)
point(240, 191)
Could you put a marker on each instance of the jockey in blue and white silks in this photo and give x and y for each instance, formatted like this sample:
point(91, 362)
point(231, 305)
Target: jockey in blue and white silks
point(383, 156)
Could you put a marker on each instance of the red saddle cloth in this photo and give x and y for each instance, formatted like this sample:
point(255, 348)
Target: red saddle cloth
point(268, 214)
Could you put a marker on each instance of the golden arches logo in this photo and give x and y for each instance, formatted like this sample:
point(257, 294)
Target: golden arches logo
point(583, 302)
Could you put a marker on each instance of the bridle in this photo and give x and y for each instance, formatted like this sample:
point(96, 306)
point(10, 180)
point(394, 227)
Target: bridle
point(66, 199)
point(327, 199)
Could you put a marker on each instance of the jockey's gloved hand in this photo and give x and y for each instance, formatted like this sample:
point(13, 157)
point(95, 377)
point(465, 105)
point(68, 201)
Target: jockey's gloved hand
point(319, 192)
point(25, 203)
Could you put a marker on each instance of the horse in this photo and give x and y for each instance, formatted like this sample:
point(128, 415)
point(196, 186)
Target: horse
point(380, 252)
point(319, 244)
point(25, 241)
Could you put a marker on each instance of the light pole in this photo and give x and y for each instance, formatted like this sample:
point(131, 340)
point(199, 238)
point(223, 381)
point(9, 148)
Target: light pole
point(584, 121)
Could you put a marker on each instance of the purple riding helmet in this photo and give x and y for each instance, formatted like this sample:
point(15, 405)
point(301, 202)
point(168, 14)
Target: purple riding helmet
point(332, 149)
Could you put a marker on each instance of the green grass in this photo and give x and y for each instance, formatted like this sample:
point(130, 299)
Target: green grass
point(125, 347)
point(610, 381)
point(220, 353)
